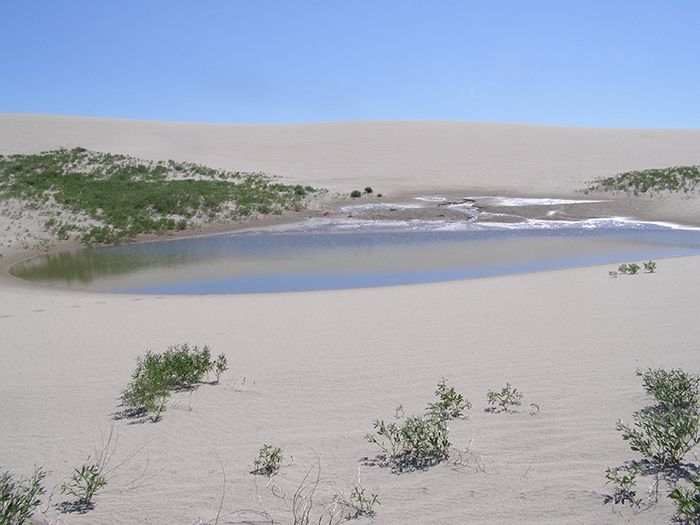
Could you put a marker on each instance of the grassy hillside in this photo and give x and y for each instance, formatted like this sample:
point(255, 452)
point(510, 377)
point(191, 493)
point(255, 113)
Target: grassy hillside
point(115, 197)
point(685, 179)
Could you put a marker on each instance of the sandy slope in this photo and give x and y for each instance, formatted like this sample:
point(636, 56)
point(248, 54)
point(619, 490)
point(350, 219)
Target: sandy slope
point(390, 156)
point(319, 367)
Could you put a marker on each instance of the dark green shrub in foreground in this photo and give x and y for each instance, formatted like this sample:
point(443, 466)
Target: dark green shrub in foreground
point(355, 194)
point(687, 501)
point(156, 375)
point(666, 431)
point(20, 497)
point(368, 190)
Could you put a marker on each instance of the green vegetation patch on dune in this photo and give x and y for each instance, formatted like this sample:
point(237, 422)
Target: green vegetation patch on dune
point(123, 196)
point(684, 179)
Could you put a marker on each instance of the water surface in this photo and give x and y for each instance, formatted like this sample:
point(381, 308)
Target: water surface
point(332, 254)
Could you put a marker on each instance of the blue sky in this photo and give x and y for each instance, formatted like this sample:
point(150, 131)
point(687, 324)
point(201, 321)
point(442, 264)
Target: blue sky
point(588, 63)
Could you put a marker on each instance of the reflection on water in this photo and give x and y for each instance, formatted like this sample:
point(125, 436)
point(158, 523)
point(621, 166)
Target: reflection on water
point(317, 259)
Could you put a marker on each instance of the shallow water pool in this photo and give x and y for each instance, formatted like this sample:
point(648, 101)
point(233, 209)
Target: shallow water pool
point(333, 254)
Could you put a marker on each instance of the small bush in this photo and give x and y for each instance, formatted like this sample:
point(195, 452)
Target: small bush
point(665, 432)
point(19, 498)
point(220, 366)
point(450, 404)
point(268, 461)
point(362, 504)
point(156, 375)
point(83, 485)
point(418, 442)
point(687, 502)
point(368, 190)
point(504, 400)
point(623, 481)
point(649, 266)
point(355, 194)
point(628, 269)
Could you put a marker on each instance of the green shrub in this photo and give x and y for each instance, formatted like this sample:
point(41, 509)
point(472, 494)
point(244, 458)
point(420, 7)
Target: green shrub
point(504, 400)
point(268, 461)
point(623, 481)
point(368, 190)
point(362, 504)
point(156, 375)
point(665, 432)
point(676, 179)
point(355, 194)
point(83, 485)
point(220, 366)
point(628, 269)
point(418, 442)
point(450, 404)
point(649, 266)
point(687, 502)
point(20, 497)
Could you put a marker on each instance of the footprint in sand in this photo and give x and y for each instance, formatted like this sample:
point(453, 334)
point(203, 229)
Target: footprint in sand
point(39, 310)
point(4, 316)
point(75, 306)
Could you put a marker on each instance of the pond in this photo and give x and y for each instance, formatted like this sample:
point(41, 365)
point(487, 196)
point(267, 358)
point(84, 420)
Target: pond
point(323, 254)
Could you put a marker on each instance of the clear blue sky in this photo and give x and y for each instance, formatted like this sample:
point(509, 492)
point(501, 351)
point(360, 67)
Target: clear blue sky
point(612, 63)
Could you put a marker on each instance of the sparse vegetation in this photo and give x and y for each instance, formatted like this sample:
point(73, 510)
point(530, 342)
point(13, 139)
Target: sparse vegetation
point(20, 497)
point(362, 503)
point(683, 179)
point(666, 431)
point(368, 190)
point(268, 461)
point(449, 404)
point(623, 481)
point(84, 483)
point(687, 501)
point(649, 266)
point(355, 194)
point(417, 442)
point(628, 269)
point(504, 400)
point(156, 375)
point(123, 196)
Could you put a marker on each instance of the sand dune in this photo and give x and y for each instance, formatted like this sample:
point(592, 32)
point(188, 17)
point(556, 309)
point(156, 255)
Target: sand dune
point(391, 156)
point(310, 371)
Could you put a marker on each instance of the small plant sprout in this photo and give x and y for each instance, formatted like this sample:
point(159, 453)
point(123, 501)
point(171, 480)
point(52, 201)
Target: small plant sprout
point(83, 485)
point(20, 497)
point(649, 266)
point(220, 366)
point(362, 503)
point(633, 269)
point(269, 460)
point(504, 400)
point(623, 481)
point(399, 412)
point(449, 404)
point(613, 274)
point(355, 194)
point(687, 501)
point(534, 409)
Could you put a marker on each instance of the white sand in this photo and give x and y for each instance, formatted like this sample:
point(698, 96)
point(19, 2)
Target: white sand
point(320, 366)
